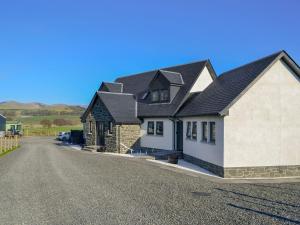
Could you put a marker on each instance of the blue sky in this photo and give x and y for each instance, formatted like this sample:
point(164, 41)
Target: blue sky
point(59, 51)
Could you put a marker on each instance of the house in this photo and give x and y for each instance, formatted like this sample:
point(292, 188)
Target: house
point(14, 126)
point(242, 123)
point(2, 122)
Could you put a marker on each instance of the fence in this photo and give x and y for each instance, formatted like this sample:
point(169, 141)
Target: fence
point(8, 143)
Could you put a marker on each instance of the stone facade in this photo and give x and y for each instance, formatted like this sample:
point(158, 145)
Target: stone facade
point(129, 135)
point(97, 113)
point(246, 172)
point(120, 135)
point(262, 172)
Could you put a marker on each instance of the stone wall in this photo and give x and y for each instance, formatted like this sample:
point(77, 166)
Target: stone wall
point(262, 171)
point(98, 113)
point(129, 135)
point(246, 172)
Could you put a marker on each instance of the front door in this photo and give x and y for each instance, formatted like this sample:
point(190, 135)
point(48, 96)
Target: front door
point(179, 136)
point(100, 133)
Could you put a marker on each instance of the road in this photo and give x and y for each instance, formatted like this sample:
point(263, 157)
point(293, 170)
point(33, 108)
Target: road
point(46, 183)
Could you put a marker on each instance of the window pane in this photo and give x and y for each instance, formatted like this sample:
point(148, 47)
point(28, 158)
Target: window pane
point(194, 131)
point(90, 126)
point(110, 125)
point(164, 95)
point(204, 131)
point(155, 96)
point(159, 128)
point(150, 129)
point(188, 130)
point(212, 131)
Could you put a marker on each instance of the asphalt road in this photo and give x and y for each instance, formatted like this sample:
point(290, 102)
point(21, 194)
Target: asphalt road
point(45, 183)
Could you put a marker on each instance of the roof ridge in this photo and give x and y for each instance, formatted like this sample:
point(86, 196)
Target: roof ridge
point(116, 93)
point(257, 60)
point(164, 68)
point(105, 82)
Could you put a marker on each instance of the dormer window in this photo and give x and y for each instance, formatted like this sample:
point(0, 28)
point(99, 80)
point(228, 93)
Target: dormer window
point(160, 95)
point(155, 96)
point(164, 95)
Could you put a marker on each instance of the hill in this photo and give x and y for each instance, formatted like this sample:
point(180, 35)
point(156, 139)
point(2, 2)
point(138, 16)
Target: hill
point(33, 114)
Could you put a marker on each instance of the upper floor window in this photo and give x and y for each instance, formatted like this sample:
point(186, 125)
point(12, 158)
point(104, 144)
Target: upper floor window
point(160, 95)
point(188, 129)
point(159, 128)
point(212, 132)
point(194, 131)
point(204, 131)
point(155, 96)
point(150, 128)
point(164, 95)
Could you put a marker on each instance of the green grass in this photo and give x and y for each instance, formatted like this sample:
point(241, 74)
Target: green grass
point(35, 120)
point(6, 152)
point(52, 131)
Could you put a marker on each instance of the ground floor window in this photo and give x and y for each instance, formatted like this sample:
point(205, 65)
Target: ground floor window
point(159, 128)
point(188, 130)
point(150, 128)
point(194, 131)
point(90, 127)
point(212, 132)
point(204, 131)
point(110, 127)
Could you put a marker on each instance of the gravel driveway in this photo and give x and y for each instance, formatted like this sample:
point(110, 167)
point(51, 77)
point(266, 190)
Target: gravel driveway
point(45, 183)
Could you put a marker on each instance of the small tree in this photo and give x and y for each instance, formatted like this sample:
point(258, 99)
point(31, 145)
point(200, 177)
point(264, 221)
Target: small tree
point(46, 123)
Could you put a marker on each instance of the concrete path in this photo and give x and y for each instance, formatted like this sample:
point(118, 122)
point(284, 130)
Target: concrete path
point(45, 183)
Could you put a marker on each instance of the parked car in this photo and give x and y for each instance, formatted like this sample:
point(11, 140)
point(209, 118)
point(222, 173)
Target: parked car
point(64, 136)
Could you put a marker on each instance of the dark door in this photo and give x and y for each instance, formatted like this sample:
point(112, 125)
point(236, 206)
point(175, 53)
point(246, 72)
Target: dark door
point(179, 136)
point(100, 133)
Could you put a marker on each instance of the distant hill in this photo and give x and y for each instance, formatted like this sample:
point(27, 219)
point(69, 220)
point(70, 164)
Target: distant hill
point(13, 105)
point(31, 114)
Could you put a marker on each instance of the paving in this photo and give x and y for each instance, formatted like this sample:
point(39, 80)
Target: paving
point(44, 182)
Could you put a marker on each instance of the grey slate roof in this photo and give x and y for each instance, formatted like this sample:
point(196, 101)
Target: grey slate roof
point(172, 77)
point(122, 107)
point(138, 85)
point(111, 87)
point(221, 93)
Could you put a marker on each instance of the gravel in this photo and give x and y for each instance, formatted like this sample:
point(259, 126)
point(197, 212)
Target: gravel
point(45, 183)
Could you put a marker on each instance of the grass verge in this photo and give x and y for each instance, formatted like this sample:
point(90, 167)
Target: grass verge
point(4, 153)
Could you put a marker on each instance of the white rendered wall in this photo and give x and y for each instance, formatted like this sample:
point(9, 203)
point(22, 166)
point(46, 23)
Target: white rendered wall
point(155, 141)
point(202, 82)
point(209, 152)
point(263, 126)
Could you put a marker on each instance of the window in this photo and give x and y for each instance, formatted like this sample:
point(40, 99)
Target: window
point(204, 131)
point(150, 128)
point(212, 132)
point(110, 127)
point(160, 95)
point(164, 95)
point(194, 131)
point(188, 129)
point(159, 128)
point(155, 96)
point(90, 127)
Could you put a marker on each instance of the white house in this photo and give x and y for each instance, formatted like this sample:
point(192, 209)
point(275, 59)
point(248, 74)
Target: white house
point(242, 123)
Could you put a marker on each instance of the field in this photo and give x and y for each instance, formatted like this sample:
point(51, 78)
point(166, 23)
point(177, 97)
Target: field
point(52, 131)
